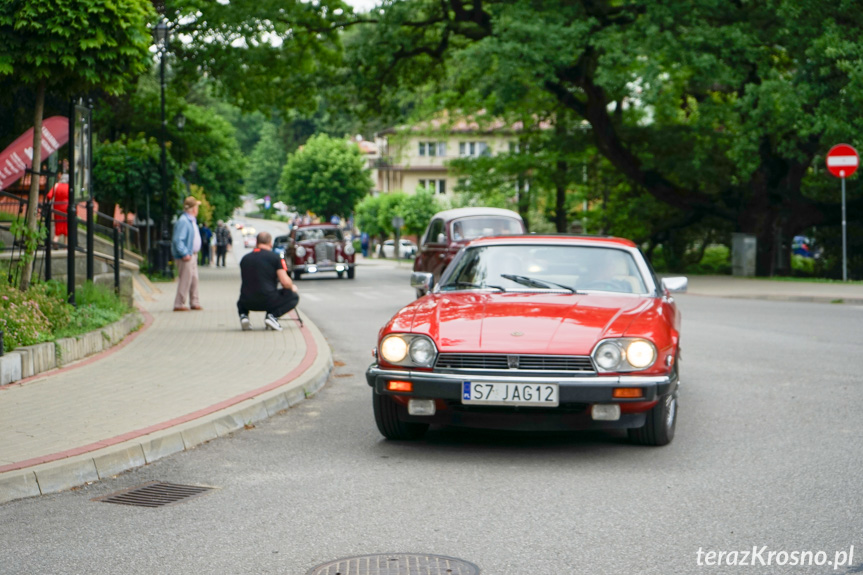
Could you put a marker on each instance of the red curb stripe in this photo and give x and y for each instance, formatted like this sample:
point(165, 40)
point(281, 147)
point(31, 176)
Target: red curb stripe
point(308, 360)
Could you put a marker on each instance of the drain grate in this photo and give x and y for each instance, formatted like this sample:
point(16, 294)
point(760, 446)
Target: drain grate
point(154, 494)
point(397, 564)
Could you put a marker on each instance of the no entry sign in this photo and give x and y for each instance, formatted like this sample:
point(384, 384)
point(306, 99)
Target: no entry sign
point(842, 160)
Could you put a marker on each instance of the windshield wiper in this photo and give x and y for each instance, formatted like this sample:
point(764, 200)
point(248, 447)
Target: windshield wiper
point(533, 282)
point(470, 285)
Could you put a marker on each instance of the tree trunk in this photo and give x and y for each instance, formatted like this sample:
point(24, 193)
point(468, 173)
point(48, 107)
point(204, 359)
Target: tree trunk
point(560, 200)
point(31, 219)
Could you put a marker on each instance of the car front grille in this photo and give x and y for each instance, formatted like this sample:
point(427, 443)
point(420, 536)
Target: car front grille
point(474, 362)
point(325, 251)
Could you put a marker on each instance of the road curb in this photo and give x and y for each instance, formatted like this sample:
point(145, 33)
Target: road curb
point(135, 449)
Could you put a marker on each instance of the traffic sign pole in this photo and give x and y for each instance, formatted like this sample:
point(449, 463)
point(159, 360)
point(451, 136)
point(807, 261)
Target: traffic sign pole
point(842, 161)
point(844, 237)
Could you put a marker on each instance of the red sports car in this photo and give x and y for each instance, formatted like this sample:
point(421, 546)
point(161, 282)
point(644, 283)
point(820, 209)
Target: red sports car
point(534, 333)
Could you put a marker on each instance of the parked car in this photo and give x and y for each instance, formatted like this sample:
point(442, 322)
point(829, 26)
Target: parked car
point(250, 236)
point(407, 249)
point(534, 333)
point(450, 230)
point(280, 244)
point(316, 248)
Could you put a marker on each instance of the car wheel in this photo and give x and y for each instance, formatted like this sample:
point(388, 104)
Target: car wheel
point(350, 273)
point(297, 275)
point(389, 424)
point(340, 274)
point(659, 427)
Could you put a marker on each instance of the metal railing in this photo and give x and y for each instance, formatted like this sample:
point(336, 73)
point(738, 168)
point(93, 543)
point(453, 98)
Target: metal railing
point(115, 233)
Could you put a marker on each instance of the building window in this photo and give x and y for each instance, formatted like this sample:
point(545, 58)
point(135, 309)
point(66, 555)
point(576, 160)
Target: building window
point(432, 149)
point(437, 186)
point(473, 149)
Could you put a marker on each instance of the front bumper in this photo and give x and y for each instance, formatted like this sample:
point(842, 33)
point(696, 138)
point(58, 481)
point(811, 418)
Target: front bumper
point(325, 266)
point(576, 396)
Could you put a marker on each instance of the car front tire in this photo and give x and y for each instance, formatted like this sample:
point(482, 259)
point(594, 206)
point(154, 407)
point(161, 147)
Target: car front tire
point(297, 275)
point(350, 273)
point(389, 424)
point(659, 427)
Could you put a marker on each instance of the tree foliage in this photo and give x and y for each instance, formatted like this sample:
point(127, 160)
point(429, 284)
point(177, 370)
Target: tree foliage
point(262, 54)
point(327, 176)
point(69, 48)
point(717, 109)
point(126, 172)
point(266, 163)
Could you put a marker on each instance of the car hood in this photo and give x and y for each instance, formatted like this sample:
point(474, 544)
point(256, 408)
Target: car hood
point(473, 322)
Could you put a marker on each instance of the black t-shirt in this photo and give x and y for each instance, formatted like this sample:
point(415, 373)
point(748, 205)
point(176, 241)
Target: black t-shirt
point(258, 270)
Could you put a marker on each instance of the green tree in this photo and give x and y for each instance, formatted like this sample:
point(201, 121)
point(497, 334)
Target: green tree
point(69, 48)
point(718, 109)
point(259, 55)
point(417, 210)
point(266, 163)
point(126, 173)
point(326, 176)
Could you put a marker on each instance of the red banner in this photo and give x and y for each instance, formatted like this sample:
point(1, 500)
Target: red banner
point(18, 157)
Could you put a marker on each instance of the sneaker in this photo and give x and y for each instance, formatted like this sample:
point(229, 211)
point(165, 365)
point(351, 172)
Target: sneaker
point(244, 321)
point(272, 322)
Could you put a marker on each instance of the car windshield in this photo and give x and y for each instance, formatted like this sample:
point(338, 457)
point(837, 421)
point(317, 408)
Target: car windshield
point(332, 234)
point(531, 268)
point(477, 227)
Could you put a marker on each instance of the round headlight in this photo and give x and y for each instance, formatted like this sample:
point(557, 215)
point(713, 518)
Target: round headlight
point(608, 356)
point(349, 249)
point(640, 354)
point(394, 349)
point(422, 351)
point(301, 251)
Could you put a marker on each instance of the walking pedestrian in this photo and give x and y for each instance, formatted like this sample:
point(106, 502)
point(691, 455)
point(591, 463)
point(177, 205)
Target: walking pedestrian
point(185, 245)
point(206, 237)
point(260, 271)
point(223, 240)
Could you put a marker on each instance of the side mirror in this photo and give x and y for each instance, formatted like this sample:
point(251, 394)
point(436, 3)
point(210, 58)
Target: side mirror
point(676, 284)
point(423, 282)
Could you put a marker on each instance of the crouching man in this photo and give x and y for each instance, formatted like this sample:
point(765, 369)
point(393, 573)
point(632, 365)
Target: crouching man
point(262, 271)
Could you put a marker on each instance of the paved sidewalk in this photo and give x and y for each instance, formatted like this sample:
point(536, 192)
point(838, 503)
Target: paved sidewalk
point(768, 289)
point(184, 378)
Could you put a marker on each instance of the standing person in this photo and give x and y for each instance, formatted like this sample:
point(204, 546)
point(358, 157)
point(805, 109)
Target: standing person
point(260, 270)
point(206, 237)
point(61, 208)
point(185, 246)
point(223, 240)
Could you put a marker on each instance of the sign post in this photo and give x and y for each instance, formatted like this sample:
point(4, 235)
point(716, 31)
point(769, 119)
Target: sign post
point(842, 161)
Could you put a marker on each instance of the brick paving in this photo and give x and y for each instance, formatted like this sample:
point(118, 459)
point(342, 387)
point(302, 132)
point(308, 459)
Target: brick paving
point(179, 366)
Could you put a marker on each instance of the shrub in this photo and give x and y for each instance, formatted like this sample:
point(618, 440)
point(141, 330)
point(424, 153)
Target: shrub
point(21, 318)
point(716, 261)
point(41, 313)
point(802, 266)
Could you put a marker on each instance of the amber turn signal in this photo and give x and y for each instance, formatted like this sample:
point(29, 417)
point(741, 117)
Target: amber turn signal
point(404, 386)
point(627, 392)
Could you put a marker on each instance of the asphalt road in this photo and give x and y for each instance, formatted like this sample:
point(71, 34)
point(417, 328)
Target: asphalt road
point(767, 455)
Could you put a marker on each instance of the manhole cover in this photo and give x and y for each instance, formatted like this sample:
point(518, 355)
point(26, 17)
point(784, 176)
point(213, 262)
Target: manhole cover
point(154, 494)
point(397, 564)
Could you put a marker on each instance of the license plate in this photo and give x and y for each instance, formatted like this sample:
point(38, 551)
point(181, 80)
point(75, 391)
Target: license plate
point(534, 394)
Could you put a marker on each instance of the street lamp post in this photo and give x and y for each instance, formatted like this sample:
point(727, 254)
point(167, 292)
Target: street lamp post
point(165, 242)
